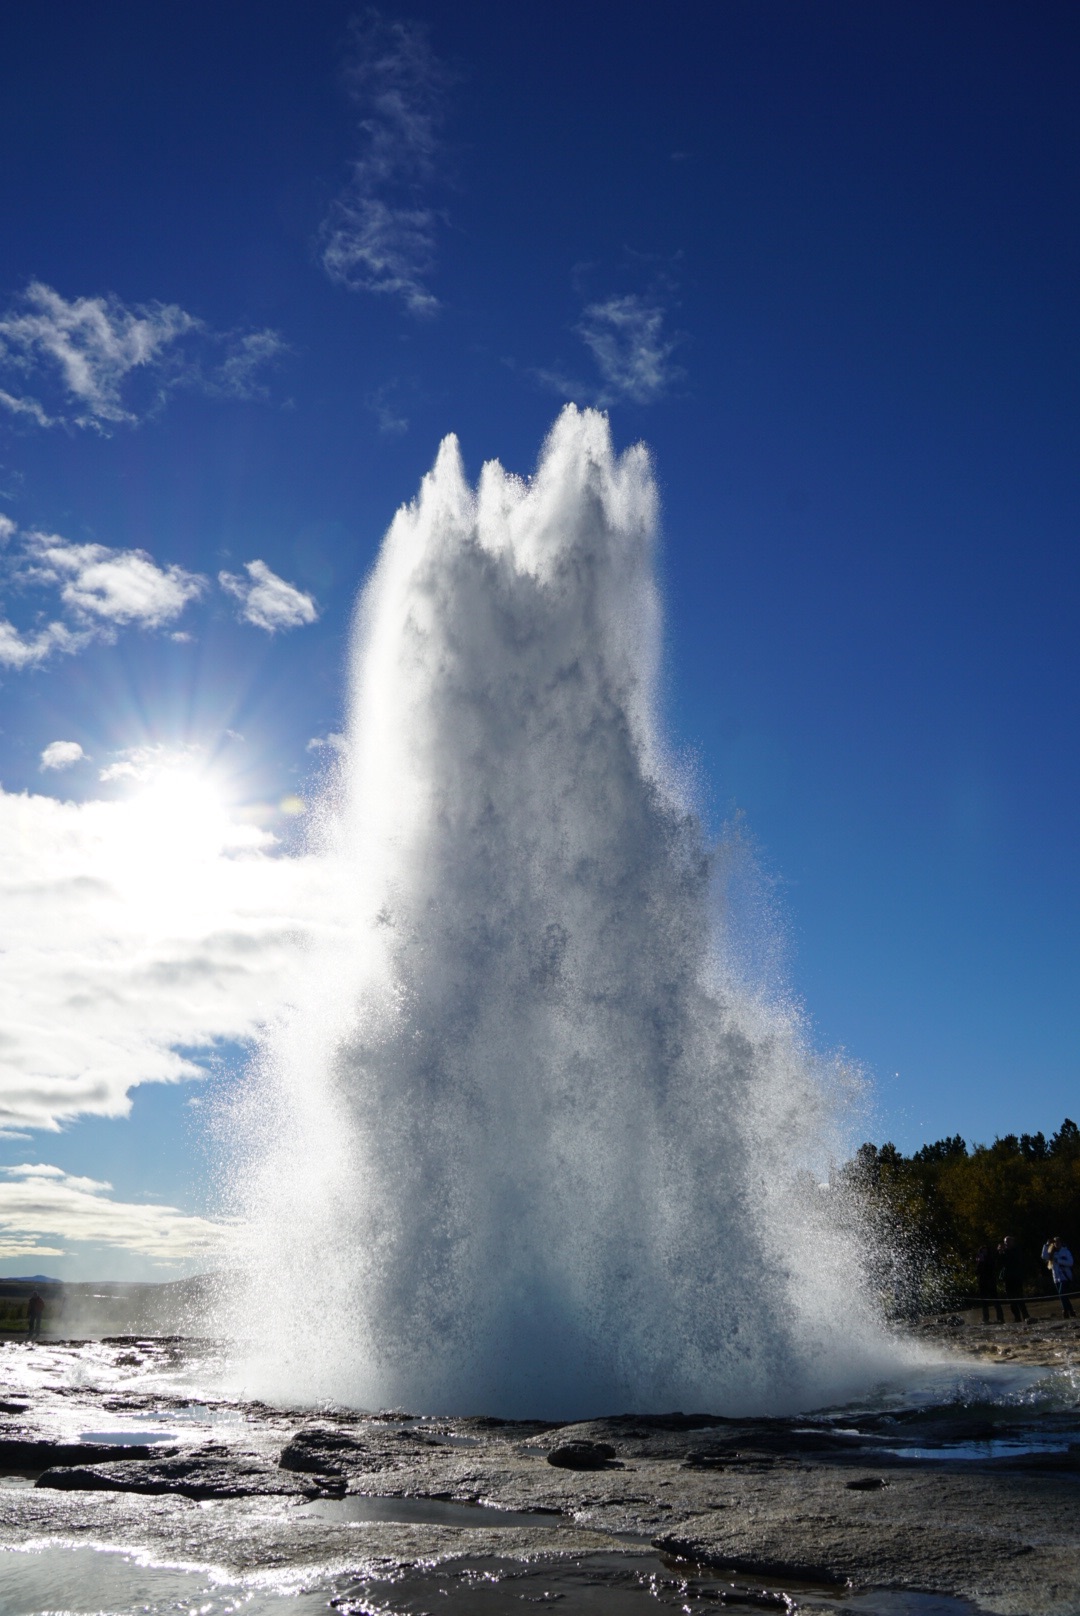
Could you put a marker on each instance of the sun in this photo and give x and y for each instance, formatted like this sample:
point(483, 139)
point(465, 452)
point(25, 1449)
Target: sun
point(172, 831)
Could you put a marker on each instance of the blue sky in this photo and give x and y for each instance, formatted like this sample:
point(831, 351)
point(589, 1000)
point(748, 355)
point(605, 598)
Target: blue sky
point(258, 259)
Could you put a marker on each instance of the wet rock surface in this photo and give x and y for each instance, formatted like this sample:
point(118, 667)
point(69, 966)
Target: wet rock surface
point(31, 1457)
point(972, 1499)
point(215, 1471)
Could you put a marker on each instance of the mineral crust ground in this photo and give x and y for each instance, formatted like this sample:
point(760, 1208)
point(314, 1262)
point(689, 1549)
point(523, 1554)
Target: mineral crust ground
point(902, 1508)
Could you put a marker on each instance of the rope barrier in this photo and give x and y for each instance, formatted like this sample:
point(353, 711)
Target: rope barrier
point(1044, 1296)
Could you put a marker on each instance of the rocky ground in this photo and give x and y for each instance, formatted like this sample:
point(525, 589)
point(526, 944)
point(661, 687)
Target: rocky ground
point(977, 1502)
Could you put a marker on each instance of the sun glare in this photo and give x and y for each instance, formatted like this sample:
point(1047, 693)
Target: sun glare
point(174, 829)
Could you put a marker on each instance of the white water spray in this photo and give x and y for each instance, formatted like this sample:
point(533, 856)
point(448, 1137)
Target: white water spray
point(524, 1145)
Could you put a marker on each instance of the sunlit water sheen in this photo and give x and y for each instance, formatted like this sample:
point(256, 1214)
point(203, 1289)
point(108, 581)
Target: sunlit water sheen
point(535, 1139)
point(63, 1581)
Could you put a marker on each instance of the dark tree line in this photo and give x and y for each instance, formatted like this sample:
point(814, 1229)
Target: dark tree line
point(939, 1205)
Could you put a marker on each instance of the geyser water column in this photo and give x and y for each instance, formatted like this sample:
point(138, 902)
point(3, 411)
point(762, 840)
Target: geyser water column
point(523, 1145)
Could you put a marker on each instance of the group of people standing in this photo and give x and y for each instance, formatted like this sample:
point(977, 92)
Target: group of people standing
point(1005, 1265)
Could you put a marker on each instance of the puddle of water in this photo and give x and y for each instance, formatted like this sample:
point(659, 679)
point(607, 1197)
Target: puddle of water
point(991, 1449)
point(94, 1582)
point(88, 1582)
point(200, 1414)
point(614, 1585)
point(424, 1512)
point(419, 1427)
point(130, 1439)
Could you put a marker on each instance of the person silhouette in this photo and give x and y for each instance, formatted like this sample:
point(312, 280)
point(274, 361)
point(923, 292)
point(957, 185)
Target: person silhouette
point(35, 1307)
point(1059, 1259)
point(986, 1275)
point(1012, 1277)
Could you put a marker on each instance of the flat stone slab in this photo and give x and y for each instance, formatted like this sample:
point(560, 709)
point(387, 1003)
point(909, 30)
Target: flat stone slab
point(210, 1472)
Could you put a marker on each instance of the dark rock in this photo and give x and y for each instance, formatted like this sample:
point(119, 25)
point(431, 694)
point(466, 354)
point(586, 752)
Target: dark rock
point(39, 1455)
point(320, 1449)
point(677, 1421)
point(323, 1448)
point(867, 1484)
point(209, 1472)
point(582, 1456)
point(703, 1459)
point(723, 1458)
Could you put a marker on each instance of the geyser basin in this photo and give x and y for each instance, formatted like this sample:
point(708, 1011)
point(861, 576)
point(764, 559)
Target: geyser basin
point(529, 1142)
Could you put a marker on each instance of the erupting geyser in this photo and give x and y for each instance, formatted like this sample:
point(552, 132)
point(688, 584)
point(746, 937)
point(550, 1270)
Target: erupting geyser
point(526, 1143)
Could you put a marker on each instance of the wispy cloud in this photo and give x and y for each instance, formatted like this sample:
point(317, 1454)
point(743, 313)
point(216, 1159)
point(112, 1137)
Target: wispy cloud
point(144, 763)
point(391, 421)
point(25, 406)
point(632, 349)
point(267, 600)
point(248, 355)
point(95, 591)
point(61, 755)
point(379, 235)
point(103, 364)
point(41, 1199)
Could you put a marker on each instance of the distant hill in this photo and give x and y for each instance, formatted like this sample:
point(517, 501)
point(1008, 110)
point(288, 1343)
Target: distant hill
point(30, 1279)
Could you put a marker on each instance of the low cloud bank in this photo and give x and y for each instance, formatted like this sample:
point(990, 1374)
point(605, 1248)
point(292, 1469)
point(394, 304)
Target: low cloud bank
point(35, 1196)
point(137, 934)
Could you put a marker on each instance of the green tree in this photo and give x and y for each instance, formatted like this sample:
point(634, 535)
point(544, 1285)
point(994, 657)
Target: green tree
point(943, 1202)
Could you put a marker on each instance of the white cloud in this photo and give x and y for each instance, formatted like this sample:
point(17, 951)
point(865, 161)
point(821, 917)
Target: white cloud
point(92, 342)
point(109, 364)
point(379, 235)
point(26, 1245)
point(142, 763)
point(239, 374)
point(626, 338)
point(138, 933)
point(267, 600)
point(372, 247)
point(29, 649)
point(25, 406)
point(98, 589)
point(114, 586)
point(61, 755)
point(42, 1199)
